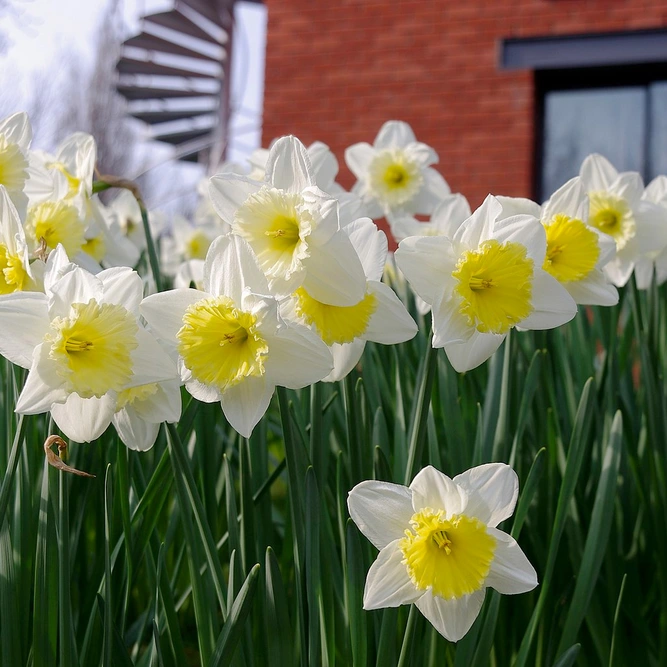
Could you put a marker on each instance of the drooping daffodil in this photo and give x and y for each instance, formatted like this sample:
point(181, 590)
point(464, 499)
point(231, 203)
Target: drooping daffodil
point(485, 280)
point(380, 316)
point(440, 547)
point(656, 193)
point(232, 345)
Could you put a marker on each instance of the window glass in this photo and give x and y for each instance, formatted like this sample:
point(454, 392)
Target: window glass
point(609, 121)
point(657, 144)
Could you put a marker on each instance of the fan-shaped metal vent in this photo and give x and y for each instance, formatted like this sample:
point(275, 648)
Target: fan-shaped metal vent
point(175, 76)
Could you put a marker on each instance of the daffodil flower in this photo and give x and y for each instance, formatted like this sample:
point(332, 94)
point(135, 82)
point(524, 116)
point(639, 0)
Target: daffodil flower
point(15, 138)
point(187, 241)
point(379, 316)
point(394, 174)
point(83, 344)
point(617, 209)
point(292, 227)
point(15, 272)
point(440, 547)
point(447, 217)
point(483, 281)
point(140, 411)
point(656, 193)
point(576, 252)
point(232, 344)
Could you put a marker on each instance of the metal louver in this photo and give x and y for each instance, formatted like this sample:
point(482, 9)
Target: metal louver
point(175, 76)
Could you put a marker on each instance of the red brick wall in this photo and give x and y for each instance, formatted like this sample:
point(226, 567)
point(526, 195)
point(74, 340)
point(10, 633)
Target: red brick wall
point(335, 71)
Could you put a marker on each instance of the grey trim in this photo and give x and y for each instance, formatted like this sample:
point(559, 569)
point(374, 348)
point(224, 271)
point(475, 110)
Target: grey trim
point(624, 48)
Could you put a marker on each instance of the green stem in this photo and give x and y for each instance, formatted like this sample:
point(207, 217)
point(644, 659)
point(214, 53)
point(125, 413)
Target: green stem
point(420, 421)
point(12, 464)
point(407, 638)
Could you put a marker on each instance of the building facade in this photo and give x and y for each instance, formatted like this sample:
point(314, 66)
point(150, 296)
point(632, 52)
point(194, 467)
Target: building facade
point(512, 94)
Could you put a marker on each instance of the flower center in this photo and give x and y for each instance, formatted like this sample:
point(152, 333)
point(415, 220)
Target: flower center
point(275, 225)
point(56, 222)
point(451, 556)
point(572, 249)
point(13, 166)
point(197, 245)
point(13, 276)
point(612, 215)
point(495, 286)
point(95, 247)
point(219, 343)
point(92, 347)
point(135, 395)
point(335, 324)
point(394, 178)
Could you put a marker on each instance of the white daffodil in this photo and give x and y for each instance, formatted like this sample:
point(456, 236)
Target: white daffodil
point(292, 227)
point(105, 241)
point(656, 193)
point(232, 344)
point(439, 545)
point(379, 316)
point(576, 252)
point(140, 411)
point(15, 138)
point(75, 160)
point(187, 241)
point(83, 344)
point(482, 282)
point(15, 272)
point(447, 217)
point(126, 210)
point(395, 175)
point(190, 271)
point(617, 208)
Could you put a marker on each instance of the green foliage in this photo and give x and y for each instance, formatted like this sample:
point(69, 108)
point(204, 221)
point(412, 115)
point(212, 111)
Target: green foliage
point(215, 550)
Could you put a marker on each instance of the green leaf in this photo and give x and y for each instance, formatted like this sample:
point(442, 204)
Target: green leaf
point(234, 625)
point(278, 626)
point(568, 657)
point(354, 593)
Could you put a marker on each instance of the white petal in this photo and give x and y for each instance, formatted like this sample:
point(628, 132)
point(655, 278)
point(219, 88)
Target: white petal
point(525, 230)
point(334, 274)
point(388, 583)
point(451, 618)
point(394, 134)
point(492, 491)
point(479, 226)
point(427, 263)
point(358, 158)
point(84, 419)
point(76, 286)
point(78, 153)
point(345, 357)
point(371, 246)
point(231, 268)
point(16, 128)
point(43, 387)
point(518, 206)
point(150, 363)
point(323, 163)
point(122, 286)
point(25, 322)
point(297, 357)
point(164, 311)
point(135, 432)
point(466, 355)
point(434, 190)
point(510, 572)
point(390, 323)
point(596, 290)
point(567, 199)
point(630, 186)
point(552, 305)
point(422, 154)
point(643, 273)
point(431, 488)
point(619, 269)
point(656, 190)
point(202, 392)
point(381, 510)
point(244, 404)
point(651, 228)
point(11, 228)
point(597, 173)
point(450, 214)
point(57, 265)
point(162, 406)
point(228, 192)
point(288, 167)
